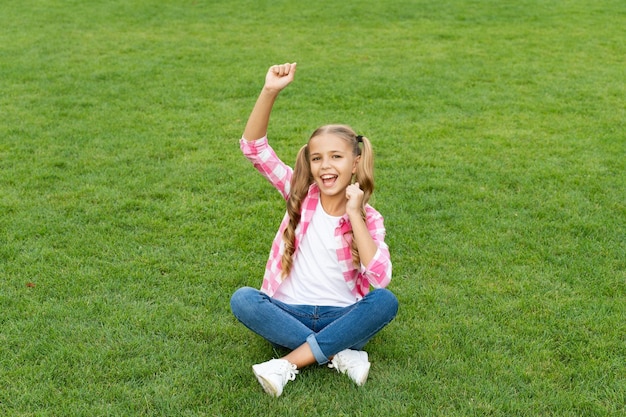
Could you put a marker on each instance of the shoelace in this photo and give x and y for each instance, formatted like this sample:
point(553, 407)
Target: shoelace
point(290, 371)
point(338, 363)
point(344, 362)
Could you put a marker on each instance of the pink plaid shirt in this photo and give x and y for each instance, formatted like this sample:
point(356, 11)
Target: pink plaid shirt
point(377, 274)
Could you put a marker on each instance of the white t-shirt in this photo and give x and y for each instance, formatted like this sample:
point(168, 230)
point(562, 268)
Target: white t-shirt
point(316, 277)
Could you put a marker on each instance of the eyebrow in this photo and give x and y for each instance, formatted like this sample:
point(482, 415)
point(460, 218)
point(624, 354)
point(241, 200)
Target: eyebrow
point(319, 153)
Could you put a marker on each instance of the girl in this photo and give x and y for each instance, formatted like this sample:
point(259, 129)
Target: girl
point(315, 300)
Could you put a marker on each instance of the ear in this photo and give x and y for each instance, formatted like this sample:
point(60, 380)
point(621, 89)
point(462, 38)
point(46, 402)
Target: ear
point(355, 163)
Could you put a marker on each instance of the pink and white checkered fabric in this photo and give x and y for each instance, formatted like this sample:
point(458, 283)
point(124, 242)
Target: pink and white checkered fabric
point(377, 274)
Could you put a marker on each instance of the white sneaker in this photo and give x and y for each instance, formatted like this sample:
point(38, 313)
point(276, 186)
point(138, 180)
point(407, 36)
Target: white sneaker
point(274, 374)
point(353, 362)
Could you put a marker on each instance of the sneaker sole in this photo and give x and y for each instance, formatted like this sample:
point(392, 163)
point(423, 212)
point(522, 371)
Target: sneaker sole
point(363, 378)
point(268, 387)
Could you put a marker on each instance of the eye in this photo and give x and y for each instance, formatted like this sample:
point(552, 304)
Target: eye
point(315, 158)
point(337, 156)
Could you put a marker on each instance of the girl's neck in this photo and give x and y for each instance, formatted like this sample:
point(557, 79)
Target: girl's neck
point(334, 206)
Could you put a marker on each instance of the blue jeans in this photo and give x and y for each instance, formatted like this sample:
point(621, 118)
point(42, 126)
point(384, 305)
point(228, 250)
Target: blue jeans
point(327, 330)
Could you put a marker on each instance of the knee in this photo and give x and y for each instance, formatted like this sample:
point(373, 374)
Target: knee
point(242, 299)
point(386, 300)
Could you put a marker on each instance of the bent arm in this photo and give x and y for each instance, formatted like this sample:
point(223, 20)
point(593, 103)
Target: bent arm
point(377, 269)
point(364, 241)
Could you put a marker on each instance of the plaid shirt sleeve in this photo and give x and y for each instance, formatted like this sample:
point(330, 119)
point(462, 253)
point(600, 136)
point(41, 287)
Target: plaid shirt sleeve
point(265, 160)
point(378, 272)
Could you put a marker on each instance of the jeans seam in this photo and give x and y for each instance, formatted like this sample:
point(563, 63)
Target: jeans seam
point(293, 312)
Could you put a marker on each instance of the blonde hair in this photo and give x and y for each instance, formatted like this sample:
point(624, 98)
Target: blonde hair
point(302, 179)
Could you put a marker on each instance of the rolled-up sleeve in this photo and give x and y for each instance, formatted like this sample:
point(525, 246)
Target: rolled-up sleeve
point(265, 160)
point(378, 272)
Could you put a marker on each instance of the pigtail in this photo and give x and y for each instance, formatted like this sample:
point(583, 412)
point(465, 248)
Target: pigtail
point(300, 182)
point(364, 175)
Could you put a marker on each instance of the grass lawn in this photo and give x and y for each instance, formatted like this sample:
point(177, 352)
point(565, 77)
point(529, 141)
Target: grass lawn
point(128, 215)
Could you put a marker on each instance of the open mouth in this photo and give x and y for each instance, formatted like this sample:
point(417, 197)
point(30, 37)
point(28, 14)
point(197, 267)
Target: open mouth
point(328, 180)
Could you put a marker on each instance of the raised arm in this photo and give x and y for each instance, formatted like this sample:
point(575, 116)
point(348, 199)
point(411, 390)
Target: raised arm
point(277, 78)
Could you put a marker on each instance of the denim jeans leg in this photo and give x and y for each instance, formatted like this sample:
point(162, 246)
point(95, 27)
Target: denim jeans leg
point(276, 322)
point(358, 323)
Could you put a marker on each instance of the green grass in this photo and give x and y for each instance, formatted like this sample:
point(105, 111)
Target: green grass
point(501, 160)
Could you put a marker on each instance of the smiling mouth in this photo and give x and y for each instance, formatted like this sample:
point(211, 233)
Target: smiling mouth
point(328, 180)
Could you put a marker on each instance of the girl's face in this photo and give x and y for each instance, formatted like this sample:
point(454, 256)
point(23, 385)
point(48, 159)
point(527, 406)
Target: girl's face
point(332, 164)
